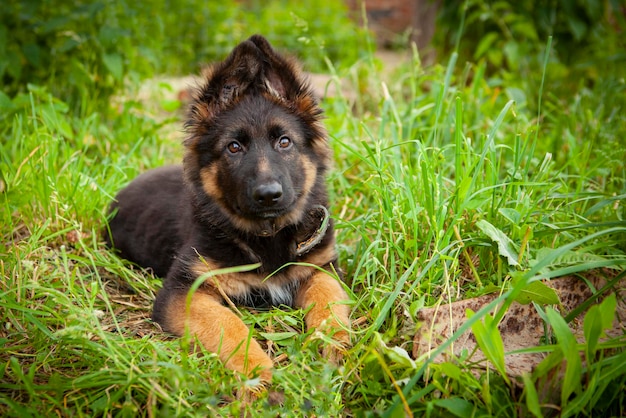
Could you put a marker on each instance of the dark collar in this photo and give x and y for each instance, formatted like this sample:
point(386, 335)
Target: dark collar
point(317, 214)
point(321, 213)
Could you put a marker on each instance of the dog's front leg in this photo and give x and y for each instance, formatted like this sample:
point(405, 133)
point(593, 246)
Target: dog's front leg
point(217, 328)
point(328, 310)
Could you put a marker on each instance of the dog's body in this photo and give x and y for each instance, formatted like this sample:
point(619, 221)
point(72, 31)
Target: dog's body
point(251, 190)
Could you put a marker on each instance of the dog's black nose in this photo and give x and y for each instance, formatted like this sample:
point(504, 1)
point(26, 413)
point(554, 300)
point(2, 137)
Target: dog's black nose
point(268, 194)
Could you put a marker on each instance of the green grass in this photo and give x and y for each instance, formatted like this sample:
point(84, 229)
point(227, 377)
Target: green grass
point(447, 184)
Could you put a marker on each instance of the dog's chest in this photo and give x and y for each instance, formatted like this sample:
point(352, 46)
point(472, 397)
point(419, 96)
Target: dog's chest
point(268, 295)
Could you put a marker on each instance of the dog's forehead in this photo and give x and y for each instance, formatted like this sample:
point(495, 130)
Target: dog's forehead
point(258, 115)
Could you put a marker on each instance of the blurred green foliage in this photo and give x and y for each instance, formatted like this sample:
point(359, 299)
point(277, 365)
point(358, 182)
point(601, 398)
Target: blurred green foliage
point(589, 39)
point(86, 47)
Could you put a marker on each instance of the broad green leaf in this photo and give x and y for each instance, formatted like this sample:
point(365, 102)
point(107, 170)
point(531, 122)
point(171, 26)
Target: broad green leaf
point(12, 64)
point(33, 53)
point(512, 53)
point(552, 360)
point(598, 319)
point(114, 63)
point(6, 105)
point(538, 292)
point(506, 248)
point(519, 96)
point(451, 370)
point(456, 406)
point(526, 28)
point(397, 354)
point(577, 27)
point(607, 310)
point(564, 258)
point(495, 56)
point(485, 44)
point(592, 328)
point(278, 336)
point(511, 215)
point(170, 105)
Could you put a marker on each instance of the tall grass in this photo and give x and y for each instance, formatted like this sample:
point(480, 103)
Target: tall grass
point(443, 162)
point(445, 186)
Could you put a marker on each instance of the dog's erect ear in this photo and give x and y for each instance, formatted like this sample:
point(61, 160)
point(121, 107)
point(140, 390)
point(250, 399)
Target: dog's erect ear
point(252, 68)
point(282, 80)
point(231, 78)
point(281, 77)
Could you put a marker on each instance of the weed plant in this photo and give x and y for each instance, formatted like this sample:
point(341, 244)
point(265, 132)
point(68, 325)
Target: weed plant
point(447, 184)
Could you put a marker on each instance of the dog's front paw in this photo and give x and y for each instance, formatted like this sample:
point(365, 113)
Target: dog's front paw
point(336, 339)
point(255, 364)
point(334, 351)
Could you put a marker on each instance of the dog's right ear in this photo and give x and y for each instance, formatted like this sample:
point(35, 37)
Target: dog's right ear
point(226, 82)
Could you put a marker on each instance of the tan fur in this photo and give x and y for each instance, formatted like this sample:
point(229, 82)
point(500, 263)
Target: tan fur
point(220, 331)
point(237, 284)
point(264, 167)
point(319, 291)
point(329, 313)
point(321, 148)
point(208, 175)
point(319, 258)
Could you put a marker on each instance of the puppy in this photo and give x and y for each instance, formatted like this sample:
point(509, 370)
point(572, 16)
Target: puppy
point(251, 191)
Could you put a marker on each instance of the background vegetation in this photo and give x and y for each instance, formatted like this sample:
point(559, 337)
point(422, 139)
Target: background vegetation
point(85, 47)
point(511, 131)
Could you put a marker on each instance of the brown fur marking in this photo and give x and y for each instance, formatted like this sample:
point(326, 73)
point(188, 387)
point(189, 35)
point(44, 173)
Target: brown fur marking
point(208, 175)
point(237, 284)
point(328, 312)
point(220, 331)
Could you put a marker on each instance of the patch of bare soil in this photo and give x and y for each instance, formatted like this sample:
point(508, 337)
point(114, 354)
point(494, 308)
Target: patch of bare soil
point(521, 327)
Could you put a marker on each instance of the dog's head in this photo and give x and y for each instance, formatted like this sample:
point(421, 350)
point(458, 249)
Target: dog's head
point(256, 148)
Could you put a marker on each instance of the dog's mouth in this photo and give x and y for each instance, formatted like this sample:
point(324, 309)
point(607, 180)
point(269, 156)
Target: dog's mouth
point(269, 224)
point(263, 222)
point(256, 214)
point(268, 227)
point(269, 214)
point(320, 218)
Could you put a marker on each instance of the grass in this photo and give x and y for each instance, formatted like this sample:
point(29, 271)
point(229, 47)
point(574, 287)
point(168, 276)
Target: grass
point(447, 184)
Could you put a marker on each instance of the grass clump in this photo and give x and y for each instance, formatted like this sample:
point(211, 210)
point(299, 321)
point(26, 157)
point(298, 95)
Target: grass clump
point(449, 182)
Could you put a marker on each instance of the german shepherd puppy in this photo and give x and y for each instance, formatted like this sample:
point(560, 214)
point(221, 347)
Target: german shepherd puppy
point(250, 191)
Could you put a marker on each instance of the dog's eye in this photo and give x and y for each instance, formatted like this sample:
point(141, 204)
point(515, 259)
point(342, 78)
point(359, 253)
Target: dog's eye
point(234, 147)
point(284, 142)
